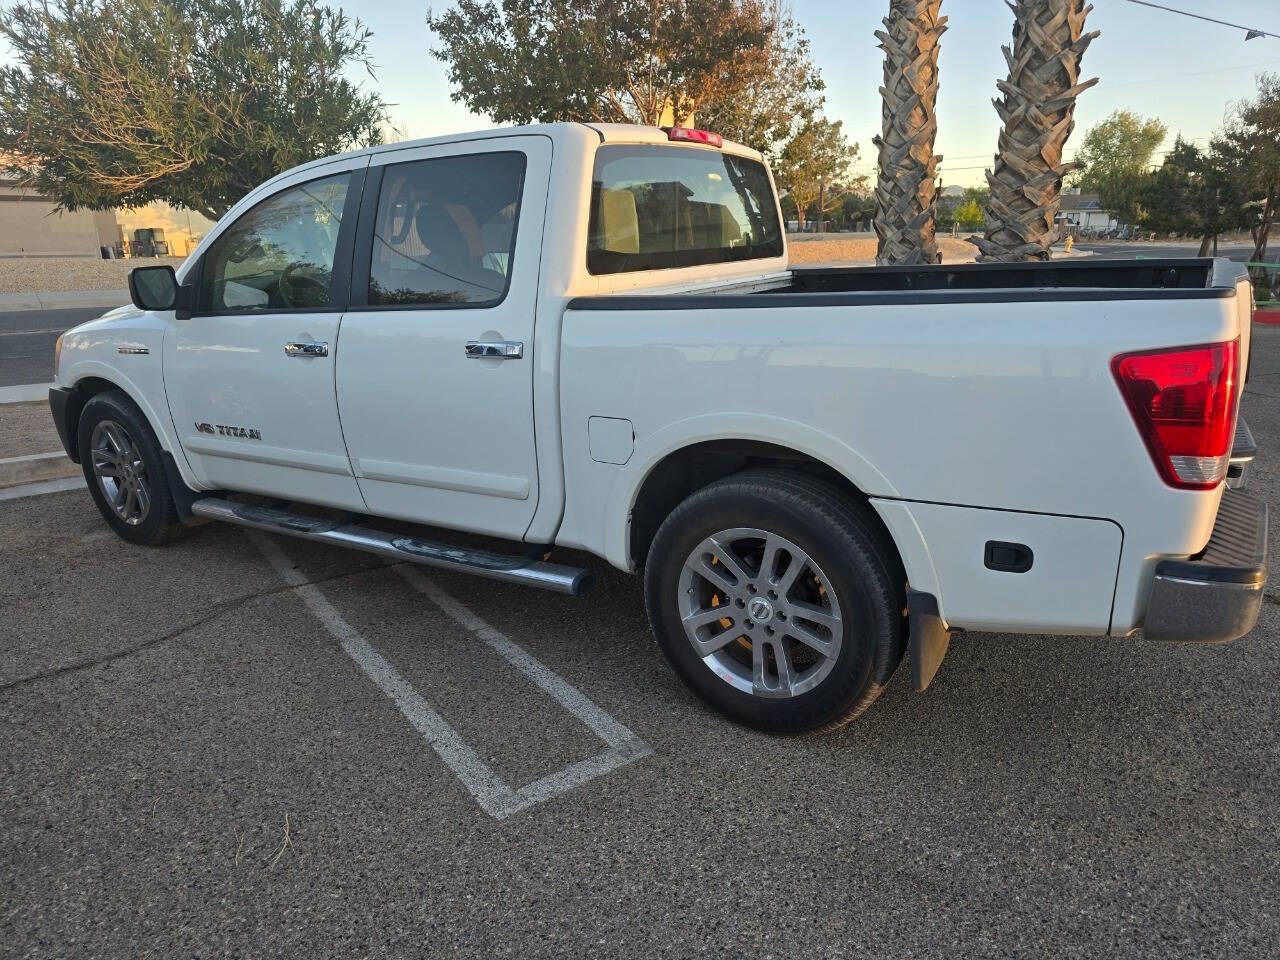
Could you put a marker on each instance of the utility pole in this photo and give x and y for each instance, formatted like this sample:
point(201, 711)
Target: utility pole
point(822, 202)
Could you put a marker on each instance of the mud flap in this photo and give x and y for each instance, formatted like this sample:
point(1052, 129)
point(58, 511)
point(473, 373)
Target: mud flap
point(929, 637)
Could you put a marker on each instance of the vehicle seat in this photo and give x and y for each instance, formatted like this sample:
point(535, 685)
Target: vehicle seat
point(619, 227)
point(449, 256)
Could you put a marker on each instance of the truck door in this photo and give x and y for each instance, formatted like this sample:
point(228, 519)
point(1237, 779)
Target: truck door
point(249, 375)
point(435, 375)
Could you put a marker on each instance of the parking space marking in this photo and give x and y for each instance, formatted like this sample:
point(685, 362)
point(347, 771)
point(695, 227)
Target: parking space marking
point(41, 488)
point(494, 796)
point(623, 745)
point(25, 392)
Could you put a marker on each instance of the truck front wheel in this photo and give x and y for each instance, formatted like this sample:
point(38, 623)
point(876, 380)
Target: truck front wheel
point(777, 600)
point(125, 472)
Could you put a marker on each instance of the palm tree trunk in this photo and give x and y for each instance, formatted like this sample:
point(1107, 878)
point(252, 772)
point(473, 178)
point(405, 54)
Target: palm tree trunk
point(906, 187)
point(1038, 116)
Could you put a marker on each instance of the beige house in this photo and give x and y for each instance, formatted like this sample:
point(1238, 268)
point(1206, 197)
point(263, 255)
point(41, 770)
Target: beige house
point(30, 227)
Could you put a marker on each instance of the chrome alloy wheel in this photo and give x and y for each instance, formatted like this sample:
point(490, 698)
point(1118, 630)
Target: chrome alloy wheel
point(760, 613)
point(120, 471)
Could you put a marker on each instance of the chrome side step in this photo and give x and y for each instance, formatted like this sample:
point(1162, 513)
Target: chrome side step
point(397, 546)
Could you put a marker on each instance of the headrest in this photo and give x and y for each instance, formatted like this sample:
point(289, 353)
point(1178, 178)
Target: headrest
point(618, 228)
point(439, 232)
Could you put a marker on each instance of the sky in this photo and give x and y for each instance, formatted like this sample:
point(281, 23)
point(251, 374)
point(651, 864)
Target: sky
point(1184, 71)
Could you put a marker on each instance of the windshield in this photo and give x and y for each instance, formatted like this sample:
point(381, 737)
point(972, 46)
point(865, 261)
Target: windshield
point(658, 207)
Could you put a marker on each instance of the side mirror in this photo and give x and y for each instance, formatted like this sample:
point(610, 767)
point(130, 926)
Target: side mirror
point(153, 288)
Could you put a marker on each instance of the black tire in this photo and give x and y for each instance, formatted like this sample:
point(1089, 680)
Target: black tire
point(161, 523)
point(841, 539)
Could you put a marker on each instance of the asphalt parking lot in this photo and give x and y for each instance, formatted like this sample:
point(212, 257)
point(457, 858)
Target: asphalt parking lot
point(246, 746)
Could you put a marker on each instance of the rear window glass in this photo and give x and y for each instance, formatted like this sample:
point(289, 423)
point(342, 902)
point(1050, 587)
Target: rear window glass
point(658, 207)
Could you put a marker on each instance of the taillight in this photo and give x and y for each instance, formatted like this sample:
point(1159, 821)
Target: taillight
point(689, 135)
point(1183, 400)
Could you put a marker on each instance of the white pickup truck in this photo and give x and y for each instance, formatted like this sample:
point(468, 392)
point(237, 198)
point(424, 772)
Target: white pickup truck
point(588, 337)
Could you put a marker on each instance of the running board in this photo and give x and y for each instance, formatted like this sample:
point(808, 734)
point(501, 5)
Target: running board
point(397, 546)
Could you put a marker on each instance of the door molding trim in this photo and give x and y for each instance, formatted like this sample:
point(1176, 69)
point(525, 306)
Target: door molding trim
point(276, 456)
point(443, 478)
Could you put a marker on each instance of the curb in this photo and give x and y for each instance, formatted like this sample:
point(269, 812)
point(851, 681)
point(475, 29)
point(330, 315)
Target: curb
point(25, 393)
point(1267, 315)
point(63, 300)
point(36, 468)
point(42, 488)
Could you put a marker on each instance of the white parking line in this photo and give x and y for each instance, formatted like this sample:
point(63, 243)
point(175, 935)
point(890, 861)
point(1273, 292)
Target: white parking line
point(25, 392)
point(493, 795)
point(41, 488)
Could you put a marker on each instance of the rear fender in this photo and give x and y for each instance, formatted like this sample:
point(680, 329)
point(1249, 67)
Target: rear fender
point(654, 448)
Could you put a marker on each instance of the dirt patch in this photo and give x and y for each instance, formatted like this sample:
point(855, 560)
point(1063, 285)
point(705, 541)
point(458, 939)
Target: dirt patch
point(847, 247)
point(64, 274)
point(27, 428)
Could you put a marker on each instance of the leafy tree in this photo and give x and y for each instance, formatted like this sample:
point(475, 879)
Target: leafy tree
point(857, 204)
point(817, 157)
point(1114, 159)
point(621, 61)
point(950, 207)
point(191, 102)
point(772, 90)
point(1252, 137)
point(1172, 198)
point(969, 215)
point(1195, 193)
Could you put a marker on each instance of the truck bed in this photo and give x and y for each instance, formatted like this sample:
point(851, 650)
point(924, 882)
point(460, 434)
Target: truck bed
point(1085, 279)
point(960, 400)
point(1128, 276)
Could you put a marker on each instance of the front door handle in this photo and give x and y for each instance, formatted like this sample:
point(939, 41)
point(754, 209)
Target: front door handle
point(494, 349)
point(306, 348)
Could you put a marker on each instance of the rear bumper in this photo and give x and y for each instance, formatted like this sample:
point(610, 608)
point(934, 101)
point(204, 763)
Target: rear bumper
point(1215, 596)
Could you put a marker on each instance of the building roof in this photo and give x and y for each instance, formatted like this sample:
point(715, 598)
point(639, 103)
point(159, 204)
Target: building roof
point(1081, 201)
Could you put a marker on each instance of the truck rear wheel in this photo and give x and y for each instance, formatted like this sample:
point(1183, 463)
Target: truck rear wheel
point(777, 600)
point(125, 471)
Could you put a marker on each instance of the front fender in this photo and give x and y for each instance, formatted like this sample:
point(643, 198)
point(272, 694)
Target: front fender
point(141, 387)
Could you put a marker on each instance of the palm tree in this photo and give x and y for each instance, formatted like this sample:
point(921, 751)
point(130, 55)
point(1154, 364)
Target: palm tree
point(906, 185)
point(1037, 112)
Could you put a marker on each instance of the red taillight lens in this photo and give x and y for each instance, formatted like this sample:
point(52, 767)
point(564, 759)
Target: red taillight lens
point(1184, 403)
point(689, 135)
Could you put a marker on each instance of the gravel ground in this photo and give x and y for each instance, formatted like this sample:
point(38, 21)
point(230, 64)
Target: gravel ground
point(27, 428)
point(838, 247)
point(62, 274)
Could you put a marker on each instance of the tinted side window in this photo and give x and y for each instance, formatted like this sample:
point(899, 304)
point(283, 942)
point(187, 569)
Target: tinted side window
point(278, 255)
point(445, 230)
point(658, 207)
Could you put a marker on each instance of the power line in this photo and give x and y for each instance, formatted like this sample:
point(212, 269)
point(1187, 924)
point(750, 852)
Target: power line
point(1198, 73)
point(1250, 32)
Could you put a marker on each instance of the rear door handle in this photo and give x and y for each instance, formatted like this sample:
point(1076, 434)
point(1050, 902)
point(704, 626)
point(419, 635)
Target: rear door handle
point(306, 348)
point(494, 349)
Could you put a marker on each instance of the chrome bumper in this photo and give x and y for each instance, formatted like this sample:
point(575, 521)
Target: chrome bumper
point(1215, 596)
